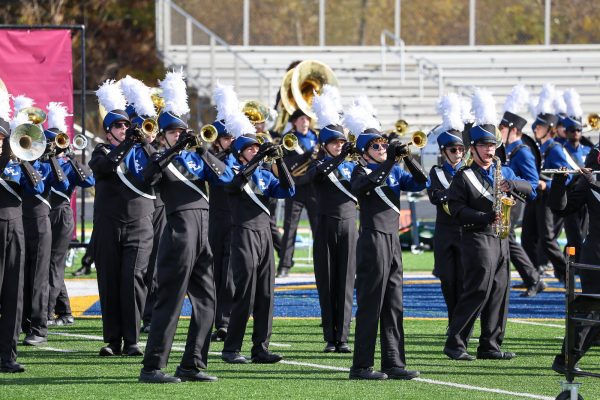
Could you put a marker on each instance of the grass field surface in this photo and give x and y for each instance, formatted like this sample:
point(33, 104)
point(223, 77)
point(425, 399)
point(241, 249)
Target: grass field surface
point(68, 367)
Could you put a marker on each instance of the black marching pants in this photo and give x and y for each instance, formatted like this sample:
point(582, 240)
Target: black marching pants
point(219, 237)
point(121, 253)
point(185, 266)
point(304, 197)
point(275, 234)
point(159, 221)
point(539, 230)
point(12, 258)
point(518, 257)
point(62, 223)
point(252, 264)
point(379, 300)
point(447, 263)
point(576, 229)
point(335, 268)
point(38, 244)
point(485, 293)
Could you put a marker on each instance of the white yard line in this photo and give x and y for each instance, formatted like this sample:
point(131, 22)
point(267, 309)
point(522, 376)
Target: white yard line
point(343, 369)
point(55, 349)
point(519, 321)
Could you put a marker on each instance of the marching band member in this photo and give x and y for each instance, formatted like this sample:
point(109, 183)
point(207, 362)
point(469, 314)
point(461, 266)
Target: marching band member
point(251, 259)
point(123, 230)
point(38, 242)
point(521, 160)
point(61, 217)
point(472, 199)
point(335, 238)
point(185, 263)
point(139, 108)
point(538, 220)
point(576, 224)
point(219, 217)
point(446, 238)
point(377, 182)
point(15, 180)
point(564, 200)
point(298, 160)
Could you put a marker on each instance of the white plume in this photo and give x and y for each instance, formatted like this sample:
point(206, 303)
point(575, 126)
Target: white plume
point(545, 102)
point(238, 124)
point(22, 102)
point(333, 93)
point(560, 107)
point(110, 96)
point(226, 100)
point(57, 114)
point(573, 103)
point(364, 102)
point(533, 102)
point(326, 107)
point(138, 95)
point(4, 105)
point(19, 119)
point(358, 119)
point(175, 93)
point(484, 107)
point(517, 99)
point(450, 108)
point(466, 111)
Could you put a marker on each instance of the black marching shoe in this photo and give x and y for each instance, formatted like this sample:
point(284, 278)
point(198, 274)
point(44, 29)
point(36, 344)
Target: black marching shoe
point(400, 373)
point(559, 366)
point(342, 347)
point(232, 357)
point(458, 355)
point(367, 374)
point(156, 376)
point(534, 289)
point(86, 269)
point(193, 374)
point(65, 320)
point(495, 355)
point(330, 347)
point(221, 334)
point(266, 357)
point(11, 367)
point(34, 340)
point(51, 322)
point(282, 272)
point(110, 350)
point(132, 350)
point(145, 328)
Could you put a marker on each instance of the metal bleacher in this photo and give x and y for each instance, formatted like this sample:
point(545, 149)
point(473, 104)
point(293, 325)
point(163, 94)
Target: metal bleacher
point(377, 71)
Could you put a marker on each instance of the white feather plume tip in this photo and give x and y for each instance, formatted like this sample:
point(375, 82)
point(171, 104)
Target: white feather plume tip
point(110, 96)
point(19, 119)
point(226, 101)
point(334, 94)
point(4, 105)
point(517, 99)
point(560, 107)
point(364, 102)
point(326, 108)
point(138, 95)
point(450, 108)
point(358, 119)
point(57, 115)
point(238, 124)
point(484, 107)
point(573, 103)
point(466, 109)
point(22, 102)
point(545, 102)
point(175, 93)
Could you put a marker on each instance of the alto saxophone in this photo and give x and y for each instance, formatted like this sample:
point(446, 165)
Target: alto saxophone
point(502, 205)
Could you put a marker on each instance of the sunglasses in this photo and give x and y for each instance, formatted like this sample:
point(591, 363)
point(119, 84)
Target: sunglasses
point(121, 125)
point(377, 146)
point(455, 150)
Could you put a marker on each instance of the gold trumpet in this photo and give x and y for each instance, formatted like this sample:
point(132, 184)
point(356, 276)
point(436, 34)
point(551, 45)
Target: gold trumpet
point(418, 139)
point(149, 127)
point(208, 133)
point(61, 140)
point(262, 137)
point(593, 121)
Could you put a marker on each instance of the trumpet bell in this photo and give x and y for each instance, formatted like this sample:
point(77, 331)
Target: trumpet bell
point(593, 121)
point(262, 137)
point(61, 140)
point(208, 133)
point(256, 112)
point(157, 99)
point(35, 115)
point(27, 142)
point(308, 78)
point(401, 127)
point(80, 142)
point(289, 142)
point(419, 139)
point(149, 127)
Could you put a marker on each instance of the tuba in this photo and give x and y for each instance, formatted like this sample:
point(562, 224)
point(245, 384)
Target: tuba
point(502, 204)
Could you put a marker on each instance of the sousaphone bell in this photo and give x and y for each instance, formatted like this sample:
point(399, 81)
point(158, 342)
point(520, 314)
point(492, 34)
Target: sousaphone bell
point(27, 142)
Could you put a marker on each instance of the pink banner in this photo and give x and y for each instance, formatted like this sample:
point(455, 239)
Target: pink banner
point(39, 65)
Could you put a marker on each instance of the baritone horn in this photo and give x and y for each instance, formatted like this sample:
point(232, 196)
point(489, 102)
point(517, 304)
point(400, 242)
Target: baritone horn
point(27, 142)
point(80, 142)
point(208, 133)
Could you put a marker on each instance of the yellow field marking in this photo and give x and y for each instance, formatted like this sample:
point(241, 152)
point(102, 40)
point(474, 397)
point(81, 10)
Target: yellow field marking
point(80, 304)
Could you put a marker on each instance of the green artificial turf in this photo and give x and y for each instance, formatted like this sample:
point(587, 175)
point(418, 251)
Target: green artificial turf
point(82, 374)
